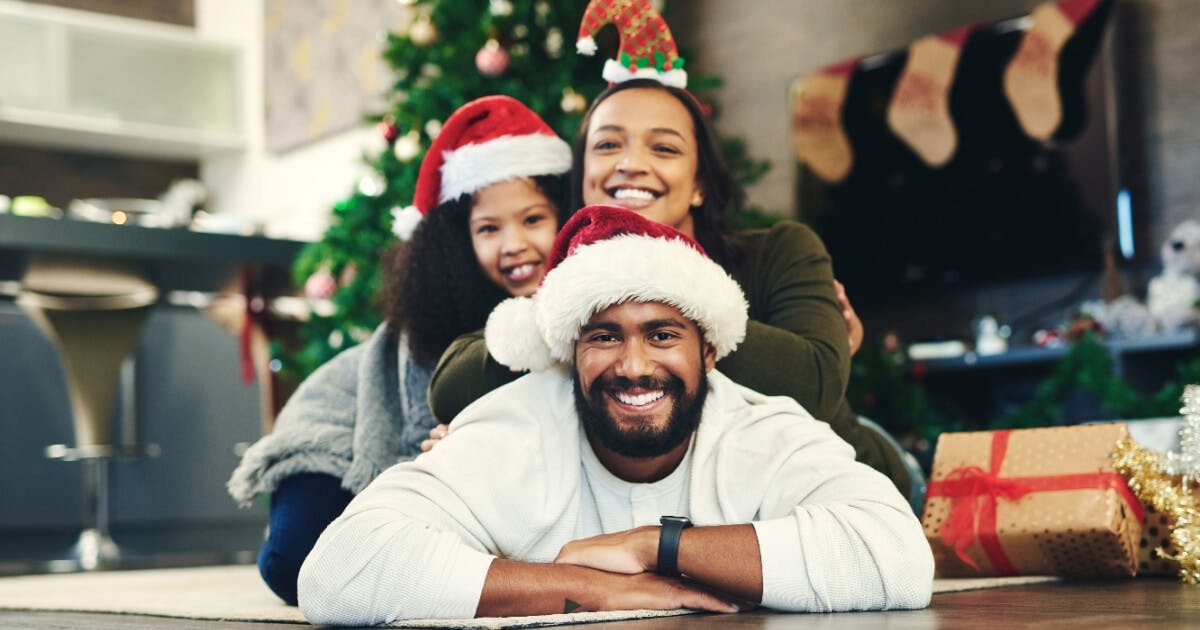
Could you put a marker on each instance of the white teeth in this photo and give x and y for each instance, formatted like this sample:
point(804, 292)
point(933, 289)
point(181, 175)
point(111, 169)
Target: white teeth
point(520, 272)
point(633, 193)
point(640, 399)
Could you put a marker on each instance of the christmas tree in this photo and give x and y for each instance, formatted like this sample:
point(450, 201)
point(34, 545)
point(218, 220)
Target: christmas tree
point(452, 52)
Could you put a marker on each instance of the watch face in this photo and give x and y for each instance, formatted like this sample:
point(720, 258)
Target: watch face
point(680, 520)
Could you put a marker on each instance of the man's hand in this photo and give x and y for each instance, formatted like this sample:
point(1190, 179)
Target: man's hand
point(648, 590)
point(515, 588)
point(631, 551)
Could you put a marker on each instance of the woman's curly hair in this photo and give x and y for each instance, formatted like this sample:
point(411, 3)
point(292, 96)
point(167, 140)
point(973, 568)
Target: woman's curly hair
point(434, 289)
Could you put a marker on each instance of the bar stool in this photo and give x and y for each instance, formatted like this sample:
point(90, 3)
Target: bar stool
point(92, 309)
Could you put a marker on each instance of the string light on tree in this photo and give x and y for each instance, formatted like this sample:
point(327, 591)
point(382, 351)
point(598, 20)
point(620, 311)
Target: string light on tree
point(500, 8)
point(407, 146)
point(433, 127)
point(492, 59)
point(554, 43)
point(372, 184)
point(572, 102)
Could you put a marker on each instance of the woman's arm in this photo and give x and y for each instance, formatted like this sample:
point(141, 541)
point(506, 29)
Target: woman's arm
point(465, 373)
point(796, 342)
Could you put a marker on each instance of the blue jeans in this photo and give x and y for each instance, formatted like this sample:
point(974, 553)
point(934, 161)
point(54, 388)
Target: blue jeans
point(301, 507)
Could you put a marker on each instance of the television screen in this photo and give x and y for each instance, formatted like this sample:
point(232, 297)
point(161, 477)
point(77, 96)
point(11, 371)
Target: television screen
point(1005, 206)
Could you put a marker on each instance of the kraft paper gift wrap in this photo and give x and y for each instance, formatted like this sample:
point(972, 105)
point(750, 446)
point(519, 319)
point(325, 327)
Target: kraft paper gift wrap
point(1042, 501)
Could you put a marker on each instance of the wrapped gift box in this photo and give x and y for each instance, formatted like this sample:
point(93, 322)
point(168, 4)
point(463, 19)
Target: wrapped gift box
point(1031, 502)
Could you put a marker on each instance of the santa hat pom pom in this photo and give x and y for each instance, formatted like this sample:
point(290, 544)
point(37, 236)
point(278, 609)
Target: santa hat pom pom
point(513, 338)
point(586, 46)
point(404, 221)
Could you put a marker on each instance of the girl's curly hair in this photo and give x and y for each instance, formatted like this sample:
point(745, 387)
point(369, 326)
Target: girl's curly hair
point(434, 290)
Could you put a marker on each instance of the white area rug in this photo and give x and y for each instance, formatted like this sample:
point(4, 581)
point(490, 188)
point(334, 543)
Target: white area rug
point(236, 593)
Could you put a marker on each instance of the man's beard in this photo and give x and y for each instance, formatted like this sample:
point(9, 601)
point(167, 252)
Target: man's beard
point(644, 441)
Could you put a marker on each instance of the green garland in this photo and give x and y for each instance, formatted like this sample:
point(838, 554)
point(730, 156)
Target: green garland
point(882, 387)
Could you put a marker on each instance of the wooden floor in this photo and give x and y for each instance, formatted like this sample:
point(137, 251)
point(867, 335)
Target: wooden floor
point(1140, 603)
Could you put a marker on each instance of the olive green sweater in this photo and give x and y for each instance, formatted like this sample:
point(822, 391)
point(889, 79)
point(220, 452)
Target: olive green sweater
point(796, 343)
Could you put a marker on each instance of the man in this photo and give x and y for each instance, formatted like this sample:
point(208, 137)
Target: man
point(567, 490)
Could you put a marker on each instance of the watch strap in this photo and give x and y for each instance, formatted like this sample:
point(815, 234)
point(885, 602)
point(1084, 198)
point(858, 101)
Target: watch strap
point(668, 544)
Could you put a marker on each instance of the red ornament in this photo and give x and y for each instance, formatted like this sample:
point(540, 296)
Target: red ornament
point(320, 286)
point(388, 131)
point(492, 59)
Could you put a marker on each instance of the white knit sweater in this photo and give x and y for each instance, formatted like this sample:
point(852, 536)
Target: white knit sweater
point(517, 479)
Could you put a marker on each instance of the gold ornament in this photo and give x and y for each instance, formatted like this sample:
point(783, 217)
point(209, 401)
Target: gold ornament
point(423, 32)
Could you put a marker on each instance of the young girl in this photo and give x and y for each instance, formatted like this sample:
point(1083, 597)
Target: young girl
point(490, 189)
point(648, 147)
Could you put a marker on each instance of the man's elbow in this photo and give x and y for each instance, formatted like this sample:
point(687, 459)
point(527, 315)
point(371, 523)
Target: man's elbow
point(911, 581)
point(325, 599)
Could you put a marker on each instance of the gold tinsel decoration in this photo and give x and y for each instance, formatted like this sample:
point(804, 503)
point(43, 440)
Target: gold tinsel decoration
point(1143, 470)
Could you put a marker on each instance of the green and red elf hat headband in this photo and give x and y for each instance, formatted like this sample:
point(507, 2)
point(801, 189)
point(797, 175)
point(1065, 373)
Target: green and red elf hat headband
point(647, 49)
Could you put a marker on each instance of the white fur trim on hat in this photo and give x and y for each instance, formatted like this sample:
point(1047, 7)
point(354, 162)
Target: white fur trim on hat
point(614, 72)
point(513, 339)
point(475, 166)
point(405, 221)
point(625, 268)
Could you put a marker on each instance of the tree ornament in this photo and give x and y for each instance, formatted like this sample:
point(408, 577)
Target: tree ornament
point(321, 285)
point(407, 146)
point(423, 32)
point(388, 130)
point(500, 8)
point(572, 102)
point(492, 59)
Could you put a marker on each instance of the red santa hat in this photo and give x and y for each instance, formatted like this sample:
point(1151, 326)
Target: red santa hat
point(647, 49)
point(607, 255)
point(487, 141)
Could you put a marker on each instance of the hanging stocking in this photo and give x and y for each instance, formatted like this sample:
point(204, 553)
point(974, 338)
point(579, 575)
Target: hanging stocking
point(817, 132)
point(1031, 78)
point(919, 112)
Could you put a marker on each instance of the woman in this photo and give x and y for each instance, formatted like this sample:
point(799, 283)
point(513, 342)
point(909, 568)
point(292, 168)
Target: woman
point(648, 147)
point(490, 190)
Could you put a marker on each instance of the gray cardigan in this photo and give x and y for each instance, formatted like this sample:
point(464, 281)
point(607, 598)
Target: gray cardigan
point(360, 413)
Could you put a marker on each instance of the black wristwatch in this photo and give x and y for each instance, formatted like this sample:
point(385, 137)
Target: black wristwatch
point(668, 544)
